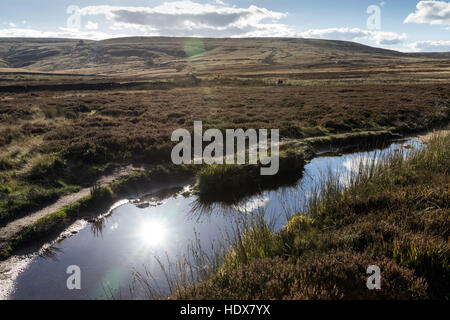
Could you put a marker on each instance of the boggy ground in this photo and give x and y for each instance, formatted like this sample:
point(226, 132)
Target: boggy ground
point(394, 213)
point(55, 143)
point(72, 111)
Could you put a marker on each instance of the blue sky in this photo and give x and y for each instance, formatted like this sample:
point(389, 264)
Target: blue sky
point(406, 25)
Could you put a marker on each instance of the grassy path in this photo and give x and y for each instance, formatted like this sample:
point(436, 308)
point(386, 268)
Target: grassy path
point(15, 227)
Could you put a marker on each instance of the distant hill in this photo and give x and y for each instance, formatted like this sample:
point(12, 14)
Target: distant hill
point(215, 57)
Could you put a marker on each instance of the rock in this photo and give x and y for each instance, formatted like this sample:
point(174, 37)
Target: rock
point(143, 205)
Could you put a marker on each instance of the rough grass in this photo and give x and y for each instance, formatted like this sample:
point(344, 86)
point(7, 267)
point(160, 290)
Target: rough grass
point(393, 213)
point(46, 226)
point(56, 142)
point(230, 183)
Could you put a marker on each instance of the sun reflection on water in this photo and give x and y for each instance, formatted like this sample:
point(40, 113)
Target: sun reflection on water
point(152, 233)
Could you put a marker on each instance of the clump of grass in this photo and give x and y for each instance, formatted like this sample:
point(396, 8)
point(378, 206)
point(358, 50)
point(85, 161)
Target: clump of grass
point(429, 258)
point(370, 138)
point(6, 163)
point(47, 170)
point(252, 239)
point(238, 181)
point(14, 203)
point(160, 174)
point(7, 135)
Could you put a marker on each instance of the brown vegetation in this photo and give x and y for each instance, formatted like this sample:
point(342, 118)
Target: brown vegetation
point(394, 214)
point(58, 134)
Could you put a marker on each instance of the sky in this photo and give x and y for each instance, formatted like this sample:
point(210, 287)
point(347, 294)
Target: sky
point(404, 25)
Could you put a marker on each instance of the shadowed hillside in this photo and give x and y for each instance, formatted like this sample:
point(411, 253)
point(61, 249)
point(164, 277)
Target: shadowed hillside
point(163, 57)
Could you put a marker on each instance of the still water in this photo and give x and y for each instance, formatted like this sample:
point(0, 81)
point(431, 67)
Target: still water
point(138, 239)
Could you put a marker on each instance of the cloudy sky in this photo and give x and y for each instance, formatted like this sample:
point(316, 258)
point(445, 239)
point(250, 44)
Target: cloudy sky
point(406, 25)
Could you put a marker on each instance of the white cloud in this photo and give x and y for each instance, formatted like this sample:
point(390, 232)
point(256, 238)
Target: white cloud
point(25, 33)
point(62, 33)
point(220, 19)
point(188, 18)
point(430, 46)
point(354, 164)
point(355, 34)
point(91, 25)
point(432, 12)
point(252, 204)
point(387, 38)
point(221, 3)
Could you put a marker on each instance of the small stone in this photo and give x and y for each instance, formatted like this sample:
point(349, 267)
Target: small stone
point(143, 205)
point(5, 270)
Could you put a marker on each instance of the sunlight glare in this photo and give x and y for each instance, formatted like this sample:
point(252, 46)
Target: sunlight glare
point(152, 233)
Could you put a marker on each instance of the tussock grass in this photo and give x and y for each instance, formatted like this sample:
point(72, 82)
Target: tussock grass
point(231, 183)
point(392, 212)
point(96, 129)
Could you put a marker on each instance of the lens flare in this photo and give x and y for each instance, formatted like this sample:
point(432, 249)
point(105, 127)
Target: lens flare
point(152, 233)
point(194, 47)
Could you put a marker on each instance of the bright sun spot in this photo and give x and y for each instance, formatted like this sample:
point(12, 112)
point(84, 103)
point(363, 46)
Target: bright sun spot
point(152, 233)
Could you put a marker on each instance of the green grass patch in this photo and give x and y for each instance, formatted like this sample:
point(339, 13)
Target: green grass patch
point(229, 183)
point(362, 139)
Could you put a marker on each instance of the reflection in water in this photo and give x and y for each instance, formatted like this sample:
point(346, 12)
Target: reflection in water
point(97, 227)
point(162, 194)
point(51, 253)
point(180, 235)
point(237, 194)
point(354, 164)
point(152, 232)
